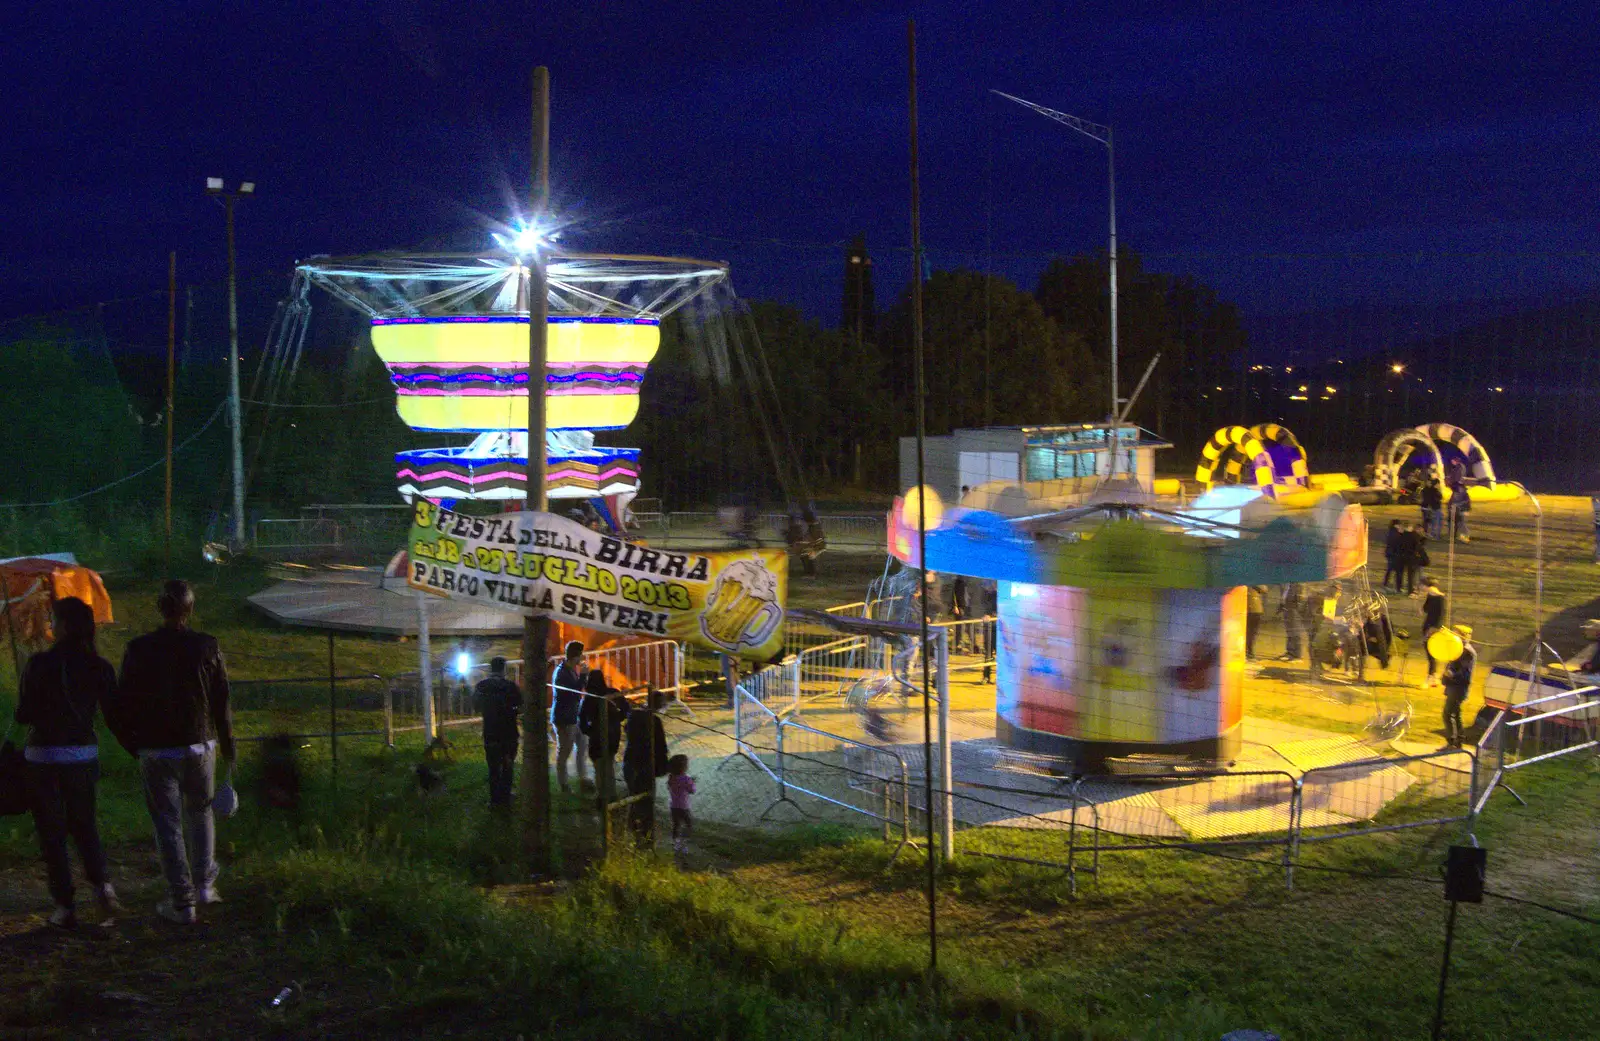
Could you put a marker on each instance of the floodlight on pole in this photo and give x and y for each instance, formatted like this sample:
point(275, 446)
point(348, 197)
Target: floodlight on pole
point(523, 240)
point(1102, 134)
point(217, 188)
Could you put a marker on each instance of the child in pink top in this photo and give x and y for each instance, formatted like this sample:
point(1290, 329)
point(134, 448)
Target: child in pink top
point(680, 786)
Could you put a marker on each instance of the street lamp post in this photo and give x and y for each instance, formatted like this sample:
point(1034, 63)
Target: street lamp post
point(1102, 134)
point(217, 189)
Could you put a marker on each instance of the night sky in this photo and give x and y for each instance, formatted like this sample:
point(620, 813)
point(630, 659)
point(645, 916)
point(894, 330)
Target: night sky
point(766, 135)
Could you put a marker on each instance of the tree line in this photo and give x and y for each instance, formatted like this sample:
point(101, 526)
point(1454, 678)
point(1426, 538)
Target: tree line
point(995, 354)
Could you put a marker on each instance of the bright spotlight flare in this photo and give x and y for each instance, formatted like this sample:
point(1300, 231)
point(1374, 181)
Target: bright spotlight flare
point(452, 330)
point(525, 240)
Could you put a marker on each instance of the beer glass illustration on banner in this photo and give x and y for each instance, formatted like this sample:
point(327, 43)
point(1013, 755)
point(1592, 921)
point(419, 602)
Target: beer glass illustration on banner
point(743, 606)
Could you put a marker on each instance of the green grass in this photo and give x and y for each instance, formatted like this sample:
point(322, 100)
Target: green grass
point(410, 915)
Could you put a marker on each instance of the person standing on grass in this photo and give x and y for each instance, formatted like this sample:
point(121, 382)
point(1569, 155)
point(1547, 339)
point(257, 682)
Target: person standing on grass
point(499, 702)
point(680, 790)
point(567, 703)
point(1460, 505)
point(60, 689)
point(1292, 607)
point(1391, 554)
point(1414, 556)
point(644, 760)
point(1432, 509)
point(173, 699)
point(1255, 607)
point(1457, 682)
point(600, 699)
point(1432, 622)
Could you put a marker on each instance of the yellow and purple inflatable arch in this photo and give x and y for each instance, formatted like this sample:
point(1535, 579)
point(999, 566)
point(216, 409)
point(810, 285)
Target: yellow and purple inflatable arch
point(1268, 451)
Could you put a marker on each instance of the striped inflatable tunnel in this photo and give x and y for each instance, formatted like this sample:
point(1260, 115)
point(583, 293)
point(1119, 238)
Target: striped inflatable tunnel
point(1273, 456)
point(1288, 458)
point(1229, 449)
point(1479, 468)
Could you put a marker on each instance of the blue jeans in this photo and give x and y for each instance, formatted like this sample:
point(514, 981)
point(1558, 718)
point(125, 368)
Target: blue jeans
point(178, 794)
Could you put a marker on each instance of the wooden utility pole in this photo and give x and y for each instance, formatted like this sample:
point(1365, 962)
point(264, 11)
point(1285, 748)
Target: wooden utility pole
point(536, 628)
point(172, 353)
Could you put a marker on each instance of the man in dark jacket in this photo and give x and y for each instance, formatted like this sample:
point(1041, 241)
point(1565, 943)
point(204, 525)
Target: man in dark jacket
point(1391, 555)
point(173, 709)
point(1411, 556)
point(1432, 621)
point(1432, 509)
point(960, 610)
point(600, 719)
point(499, 702)
point(1457, 682)
point(645, 760)
point(566, 700)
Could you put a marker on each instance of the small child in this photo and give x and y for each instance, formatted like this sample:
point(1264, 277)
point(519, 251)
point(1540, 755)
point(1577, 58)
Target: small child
point(680, 786)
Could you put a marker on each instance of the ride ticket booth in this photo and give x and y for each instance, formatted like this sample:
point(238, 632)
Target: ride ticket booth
point(972, 458)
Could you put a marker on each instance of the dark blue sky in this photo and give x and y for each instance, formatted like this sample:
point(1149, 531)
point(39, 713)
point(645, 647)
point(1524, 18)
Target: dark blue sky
point(1258, 144)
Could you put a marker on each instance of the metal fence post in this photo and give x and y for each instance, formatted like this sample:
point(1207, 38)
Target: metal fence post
point(388, 713)
point(886, 809)
point(783, 788)
point(425, 669)
point(1072, 841)
point(947, 827)
point(794, 682)
point(1292, 842)
point(333, 710)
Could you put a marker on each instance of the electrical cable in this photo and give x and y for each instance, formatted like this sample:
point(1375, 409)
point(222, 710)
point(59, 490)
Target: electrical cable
point(121, 480)
point(336, 404)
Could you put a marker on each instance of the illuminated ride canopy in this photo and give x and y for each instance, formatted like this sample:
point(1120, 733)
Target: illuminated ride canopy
point(453, 332)
point(1122, 624)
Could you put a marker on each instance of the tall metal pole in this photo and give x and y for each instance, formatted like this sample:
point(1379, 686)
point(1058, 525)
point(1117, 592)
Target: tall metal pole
point(1102, 134)
point(172, 352)
point(1116, 397)
point(536, 629)
point(235, 411)
point(1111, 167)
point(919, 391)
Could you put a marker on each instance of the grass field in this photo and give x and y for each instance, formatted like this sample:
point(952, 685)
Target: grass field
point(388, 913)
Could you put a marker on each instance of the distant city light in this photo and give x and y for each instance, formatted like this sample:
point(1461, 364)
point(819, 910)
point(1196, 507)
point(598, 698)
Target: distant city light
point(1397, 368)
point(1297, 397)
point(1330, 390)
point(1499, 390)
point(1302, 386)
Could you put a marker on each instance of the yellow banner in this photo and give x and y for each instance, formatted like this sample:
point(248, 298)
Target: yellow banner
point(541, 564)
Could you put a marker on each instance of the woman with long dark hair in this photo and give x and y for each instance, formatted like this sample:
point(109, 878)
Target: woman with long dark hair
point(61, 689)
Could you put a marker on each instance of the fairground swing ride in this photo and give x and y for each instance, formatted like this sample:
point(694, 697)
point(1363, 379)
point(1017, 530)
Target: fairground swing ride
point(453, 332)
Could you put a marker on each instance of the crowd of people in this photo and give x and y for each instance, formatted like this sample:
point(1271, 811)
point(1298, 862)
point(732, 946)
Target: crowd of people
point(593, 721)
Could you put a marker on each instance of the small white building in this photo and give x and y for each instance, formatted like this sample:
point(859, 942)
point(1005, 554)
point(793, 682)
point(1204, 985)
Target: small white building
point(1021, 455)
